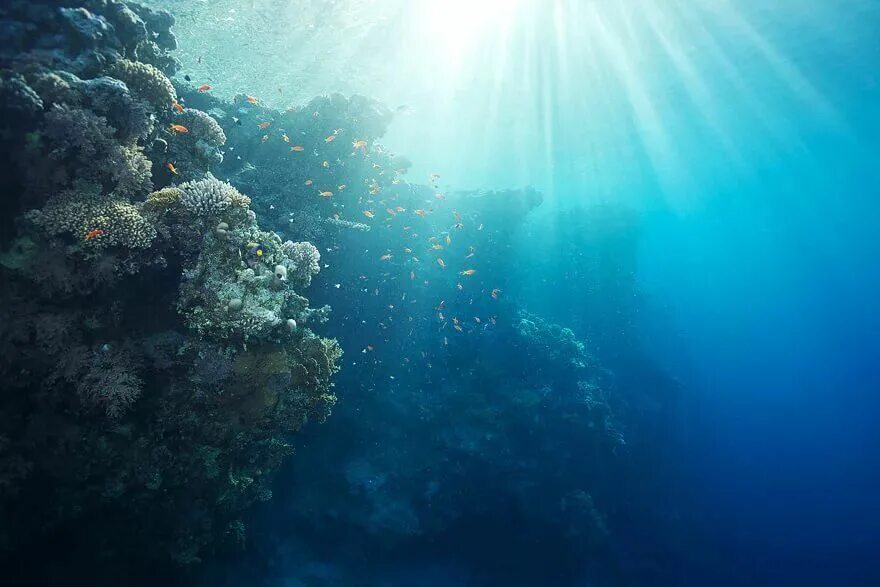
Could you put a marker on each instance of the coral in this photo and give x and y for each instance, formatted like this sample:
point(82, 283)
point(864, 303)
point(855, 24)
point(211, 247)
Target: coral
point(305, 261)
point(17, 97)
point(83, 209)
point(161, 201)
point(146, 82)
point(208, 197)
point(201, 126)
point(107, 383)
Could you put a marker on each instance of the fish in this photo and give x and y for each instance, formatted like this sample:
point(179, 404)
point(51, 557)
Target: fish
point(441, 262)
point(285, 138)
point(457, 327)
point(391, 211)
point(187, 78)
point(360, 144)
point(420, 212)
point(445, 341)
point(251, 99)
point(204, 88)
point(178, 128)
point(480, 227)
point(236, 120)
point(341, 187)
point(368, 214)
point(326, 194)
point(407, 250)
point(172, 168)
point(376, 166)
point(437, 246)
point(440, 196)
point(264, 124)
point(93, 234)
point(264, 138)
point(459, 286)
point(309, 182)
point(448, 240)
point(385, 257)
point(325, 164)
point(412, 275)
point(441, 305)
point(477, 319)
point(298, 148)
point(330, 139)
point(400, 209)
point(468, 272)
point(495, 293)
point(176, 106)
point(457, 216)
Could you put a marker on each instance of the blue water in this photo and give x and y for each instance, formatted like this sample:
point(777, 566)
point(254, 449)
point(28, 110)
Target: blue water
point(708, 226)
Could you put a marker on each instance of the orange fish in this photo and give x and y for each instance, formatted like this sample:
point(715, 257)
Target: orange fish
point(309, 182)
point(330, 139)
point(368, 214)
point(204, 88)
point(172, 168)
point(176, 106)
point(421, 213)
point(468, 272)
point(360, 144)
point(441, 263)
point(93, 234)
point(385, 257)
point(326, 194)
point(495, 293)
point(251, 99)
point(264, 124)
point(298, 148)
point(179, 128)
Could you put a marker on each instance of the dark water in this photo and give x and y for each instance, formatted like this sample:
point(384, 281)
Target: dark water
point(580, 295)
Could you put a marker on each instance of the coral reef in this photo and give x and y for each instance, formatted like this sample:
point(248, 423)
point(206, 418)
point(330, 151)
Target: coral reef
point(116, 408)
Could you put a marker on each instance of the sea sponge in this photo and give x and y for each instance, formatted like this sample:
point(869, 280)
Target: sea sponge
point(208, 197)
point(145, 81)
point(304, 259)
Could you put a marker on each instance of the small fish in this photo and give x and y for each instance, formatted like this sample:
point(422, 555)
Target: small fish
point(325, 164)
point(407, 250)
point(236, 120)
point(264, 138)
point(326, 194)
point(330, 139)
point(264, 124)
point(315, 114)
point(178, 128)
point(441, 263)
point(376, 166)
point(445, 341)
point(341, 187)
point(368, 214)
point(285, 138)
point(477, 319)
point(440, 196)
point(437, 246)
point(204, 88)
point(199, 60)
point(172, 168)
point(420, 212)
point(369, 347)
point(480, 227)
point(309, 182)
point(385, 257)
point(457, 216)
point(448, 240)
point(298, 148)
point(360, 144)
point(468, 272)
point(400, 209)
point(93, 234)
point(459, 286)
point(412, 275)
point(457, 327)
point(187, 78)
point(441, 305)
point(251, 99)
point(391, 211)
point(176, 106)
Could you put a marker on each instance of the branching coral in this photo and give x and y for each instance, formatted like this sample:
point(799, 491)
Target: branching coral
point(208, 197)
point(108, 383)
point(83, 210)
point(305, 261)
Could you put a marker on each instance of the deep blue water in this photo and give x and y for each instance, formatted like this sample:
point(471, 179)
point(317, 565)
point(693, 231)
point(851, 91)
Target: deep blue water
point(707, 227)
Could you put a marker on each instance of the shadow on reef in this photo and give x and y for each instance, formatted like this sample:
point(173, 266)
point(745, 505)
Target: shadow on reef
point(158, 356)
